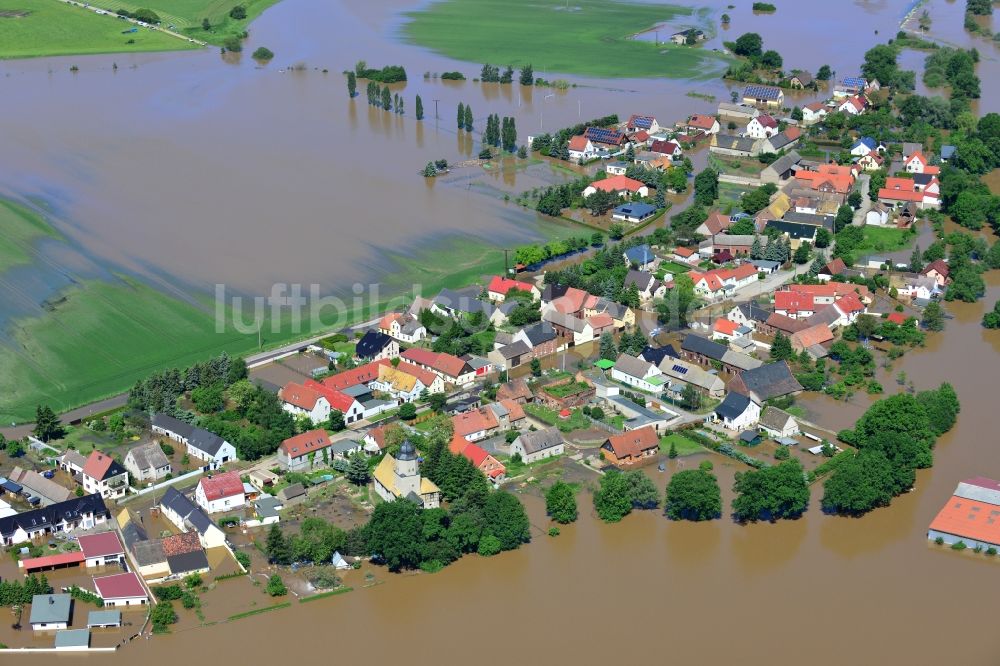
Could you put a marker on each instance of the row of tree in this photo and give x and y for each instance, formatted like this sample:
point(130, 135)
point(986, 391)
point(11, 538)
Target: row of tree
point(501, 133)
point(491, 74)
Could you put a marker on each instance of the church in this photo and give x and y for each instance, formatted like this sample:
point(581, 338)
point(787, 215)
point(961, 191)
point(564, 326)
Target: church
point(400, 477)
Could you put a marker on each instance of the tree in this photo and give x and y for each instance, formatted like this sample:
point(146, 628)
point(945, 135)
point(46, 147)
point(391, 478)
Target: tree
point(880, 63)
point(642, 491)
point(725, 19)
point(489, 546)
point(419, 108)
point(781, 347)
point(616, 230)
point(824, 73)
point(771, 493)
point(748, 45)
point(208, 399)
point(527, 77)
point(352, 85)
point(238, 12)
point(357, 470)
point(395, 534)
point(437, 401)
point(13, 447)
point(771, 59)
point(673, 451)
point(933, 318)
point(690, 397)
point(866, 325)
point(504, 518)
point(461, 116)
point(612, 501)
point(407, 411)
point(560, 503)
point(336, 422)
point(536, 367)
point(802, 253)
point(706, 187)
point(278, 549)
point(756, 249)
point(859, 485)
point(146, 16)
point(916, 262)
point(386, 99)
point(845, 215)
point(162, 616)
point(276, 587)
point(608, 350)
point(854, 199)
point(264, 54)
point(47, 424)
point(468, 117)
point(206, 25)
point(823, 237)
point(693, 494)
point(990, 320)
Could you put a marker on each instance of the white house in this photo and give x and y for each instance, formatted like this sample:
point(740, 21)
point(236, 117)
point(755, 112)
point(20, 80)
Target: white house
point(778, 423)
point(200, 443)
point(50, 612)
point(122, 589)
point(852, 106)
point(738, 412)
point(303, 452)
point(222, 492)
point(813, 113)
point(922, 287)
point(535, 445)
point(581, 149)
point(762, 127)
point(147, 462)
point(403, 327)
point(623, 186)
point(877, 215)
point(104, 476)
point(638, 373)
point(317, 400)
point(82, 513)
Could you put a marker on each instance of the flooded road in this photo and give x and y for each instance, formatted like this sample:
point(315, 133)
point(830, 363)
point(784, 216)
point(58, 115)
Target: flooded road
point(190, 170)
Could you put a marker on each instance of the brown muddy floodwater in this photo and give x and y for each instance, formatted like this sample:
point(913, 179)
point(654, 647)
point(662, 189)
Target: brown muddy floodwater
point(193, 171)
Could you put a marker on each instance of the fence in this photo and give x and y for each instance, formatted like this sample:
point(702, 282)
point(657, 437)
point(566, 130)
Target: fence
point(164, 484)
point(604, 426)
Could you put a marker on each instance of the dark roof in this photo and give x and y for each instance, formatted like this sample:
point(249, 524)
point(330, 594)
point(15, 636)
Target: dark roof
point(762, 92)
point(640, 254)
point(795, 230)
point(641, 280)
point(149, 552)
point(463, 300)
point(539, 333)
point(206, 441)
point(186, 509)
point(514, 350)
point(770, 381)
point(132, 534)
point(371, 344)
point(731, 142)
point(657, 354)
point(553, 291)
point(639, 210)
point(539, 440)
point(193, 561)
point(754, 312)
point(173, 425)
point(704, 346)
point(923, 179)
point(734, 405)
point(54, 514)
point(825, 221)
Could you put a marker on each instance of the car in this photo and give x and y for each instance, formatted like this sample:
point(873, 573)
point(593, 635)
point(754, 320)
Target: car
point(49, 473)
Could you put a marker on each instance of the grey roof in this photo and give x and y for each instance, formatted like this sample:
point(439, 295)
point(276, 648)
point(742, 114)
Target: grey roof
point(771, 381)
point(765, 265)
point(795, 230)
point(703, 346)
point(640, 254)
point(825, 221)
point(267, 506)
point(356, 391)
point(345, 445)
point(632, 366)
point(689, 373)
point(149, 552)
point(828, 315)
point(54, 514)
point(132, 534)
point(410, 325)
point(104, 618)
point(206, 441)
point(148, 455)
point(639, 416)
point(463, 300)
point(39, 485)
point(734, 405)
point(657, 354)
point(187, 510)
point(737, 239)
point(640, 279)
point(534, 441)
point(947, 152)
point(553, 291)
point(291, 492)
point(184, 563)
point(752, 311)
point(172, 424)
point(371, 344)
point(568, 321)
point(639, 209)
point(780, 140)
point(726, 108)
point(743, 144)
point(775, 418)
point(73, 638)
point(783, 163)
point(539, 333)
point(50, 608)
point(616, 310)
point(74, 457)
point(973, 491)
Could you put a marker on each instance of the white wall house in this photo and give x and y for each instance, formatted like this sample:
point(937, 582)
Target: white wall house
point(738, 412)
point(219, 493)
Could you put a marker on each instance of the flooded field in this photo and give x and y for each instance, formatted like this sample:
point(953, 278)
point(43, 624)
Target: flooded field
point(188, 170)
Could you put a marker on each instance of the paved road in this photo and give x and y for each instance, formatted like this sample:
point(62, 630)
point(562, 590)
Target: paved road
point(866, 203)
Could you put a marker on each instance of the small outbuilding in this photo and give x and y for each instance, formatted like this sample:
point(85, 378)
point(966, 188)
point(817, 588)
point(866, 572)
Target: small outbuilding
point(103, 619)
point(73, 640)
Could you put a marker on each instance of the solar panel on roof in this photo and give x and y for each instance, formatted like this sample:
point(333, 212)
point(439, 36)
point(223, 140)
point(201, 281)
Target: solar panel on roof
point(680, 370)
point(602, 135)
point(761, 92)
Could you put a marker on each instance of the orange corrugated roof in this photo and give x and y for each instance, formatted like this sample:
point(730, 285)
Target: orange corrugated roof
point(725, 326)
point(617, 184)
point(969, 519)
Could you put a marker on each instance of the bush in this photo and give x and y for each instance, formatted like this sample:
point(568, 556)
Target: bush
point(453, 76)
point(553, 531)
point(232, 44)
point(276, 587)
point(263, 53)
point(243, 559)
point(167, 449)
point(489, 546)
point(939, 540)
point(188, 600)
point(238, 12)
point(782, 453)
point(958, 545)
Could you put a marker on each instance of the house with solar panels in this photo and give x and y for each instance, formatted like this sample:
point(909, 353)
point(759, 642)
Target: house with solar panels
point(607, 139)
point(759, 95)
point(851, 85)
point(647, 123)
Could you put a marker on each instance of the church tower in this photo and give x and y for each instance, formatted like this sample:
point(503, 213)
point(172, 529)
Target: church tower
point(407, 470)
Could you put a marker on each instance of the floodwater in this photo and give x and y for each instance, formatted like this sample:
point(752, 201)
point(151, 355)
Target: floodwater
point(190, 171)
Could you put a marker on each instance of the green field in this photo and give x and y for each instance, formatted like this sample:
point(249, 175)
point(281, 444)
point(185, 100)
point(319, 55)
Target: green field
point(585, 37)
point(885, 239)
point(33, 28)
point(684, 446)
point(186, 15)
point(20, 229)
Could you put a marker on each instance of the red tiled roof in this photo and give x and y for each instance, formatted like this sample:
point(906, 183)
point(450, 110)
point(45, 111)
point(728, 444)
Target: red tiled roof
point(501, 285)
point(299, 396)
point(600, 321)
point(936, 265)
point(835, 267)
point(100, 544)
point(222, 485)
point(378, 434)
point(725, 326)
point(794, 302)
point(385, 322)
point(831, 288)
point(570, 302)
point(850, 303)
point(702, 121)
point(815, 106)
point(119, 586)
point(578, 143)
point(814, 335)
point(712, 280)
point(641, 135)
point(97, 465)
point(457, 444)
point(664, 147)
point(684, 251)
point(617, 184)
point(896, 318)
point(306, 443)
point(181, 544)
point(477, 420)
point(476, 454)
point(741, 272)
point(348, 378)
point(337, 399)
point(969, 519)
point(793, 133)
point(515, 412)
point(633, 442)
point(35, 563)
point(767, 120)
point(446, 364)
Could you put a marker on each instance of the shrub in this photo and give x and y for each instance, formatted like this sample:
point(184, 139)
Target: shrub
point(276, 587)
point(489, 546)
point(262, 53)
point(553, 531)
point(939, 540)
point(958, 545)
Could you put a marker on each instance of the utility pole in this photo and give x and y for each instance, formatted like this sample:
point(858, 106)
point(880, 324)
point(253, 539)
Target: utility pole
point(436, 116)
point(579, 108)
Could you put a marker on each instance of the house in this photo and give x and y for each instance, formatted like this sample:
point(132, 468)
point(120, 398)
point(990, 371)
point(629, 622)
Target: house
point(147, 462)
point(781, 169)
point(748, 314)
point(50, 612)
point(645, 283)
point(681, 373)
point(406, 382)
point(637, 123)
point(762, 127)
point(778, 423)
point(705, 123)
point(764, 266)
point(922, 287)
point(830, 292)
point(688, 36)
point(535, 445)
point(877, 215)
point(807, 338)
point(938, 270)
point(101, 549)
point(510, 356)
point(631, 447)
point(969, 515)
point(400, 478)
point(573, 330)
point(75, 513)
point(638, 373)
point(318, 400)
point(633, 212)
point(813, 113)
point(104, 619)
point(185, 554)
point(304, 451)
point(759, 95)
point(640, 257)
point(766, 382)
point(851, 85)
point(581, 149)
point(123, 589)
point(703, 351)
point(456, 302)
point(499, 287)
point(402, 326)
point(793, 304)
point(71, 462)
point(338, 562)
point(685, 255)
point(30, 482)
point(827, 178)
point(738, 111)
point(294, 493)
point(622, 315)
point(723, 282)
point(616, 168)
point(222, 492)
point(516, 390)
point(374, 345)
point(948, 152)
point(492, 468)
point(657, 354)
point(476, 424)
point(735, 146)
point(724, 329)
point(608, 138)
point(450, 368)
point(902, 191)
point(796, 232)
point(72, 640)
point(782, 140)
point(871, 162)
point(715, 223)
point(103, 475)
point(623, 186)
point(832, 269)
point(917, 163)
point(738, 412)
point(800, 79)
point(191, 519)
point(658, 149)
point(853, 106)
point(863, 146)
point(200, 443)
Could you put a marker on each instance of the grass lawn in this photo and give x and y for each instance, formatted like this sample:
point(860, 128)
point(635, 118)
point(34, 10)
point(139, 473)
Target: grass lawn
point(685, 446)
point(674, 267)
point(885, 239)
point(20, 229)
point(576, 421)
point(731, 192)
point(186, 15)
point(32, 28)
point(590, 39)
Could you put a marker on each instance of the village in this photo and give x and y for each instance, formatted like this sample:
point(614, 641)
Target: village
point(795, 271)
